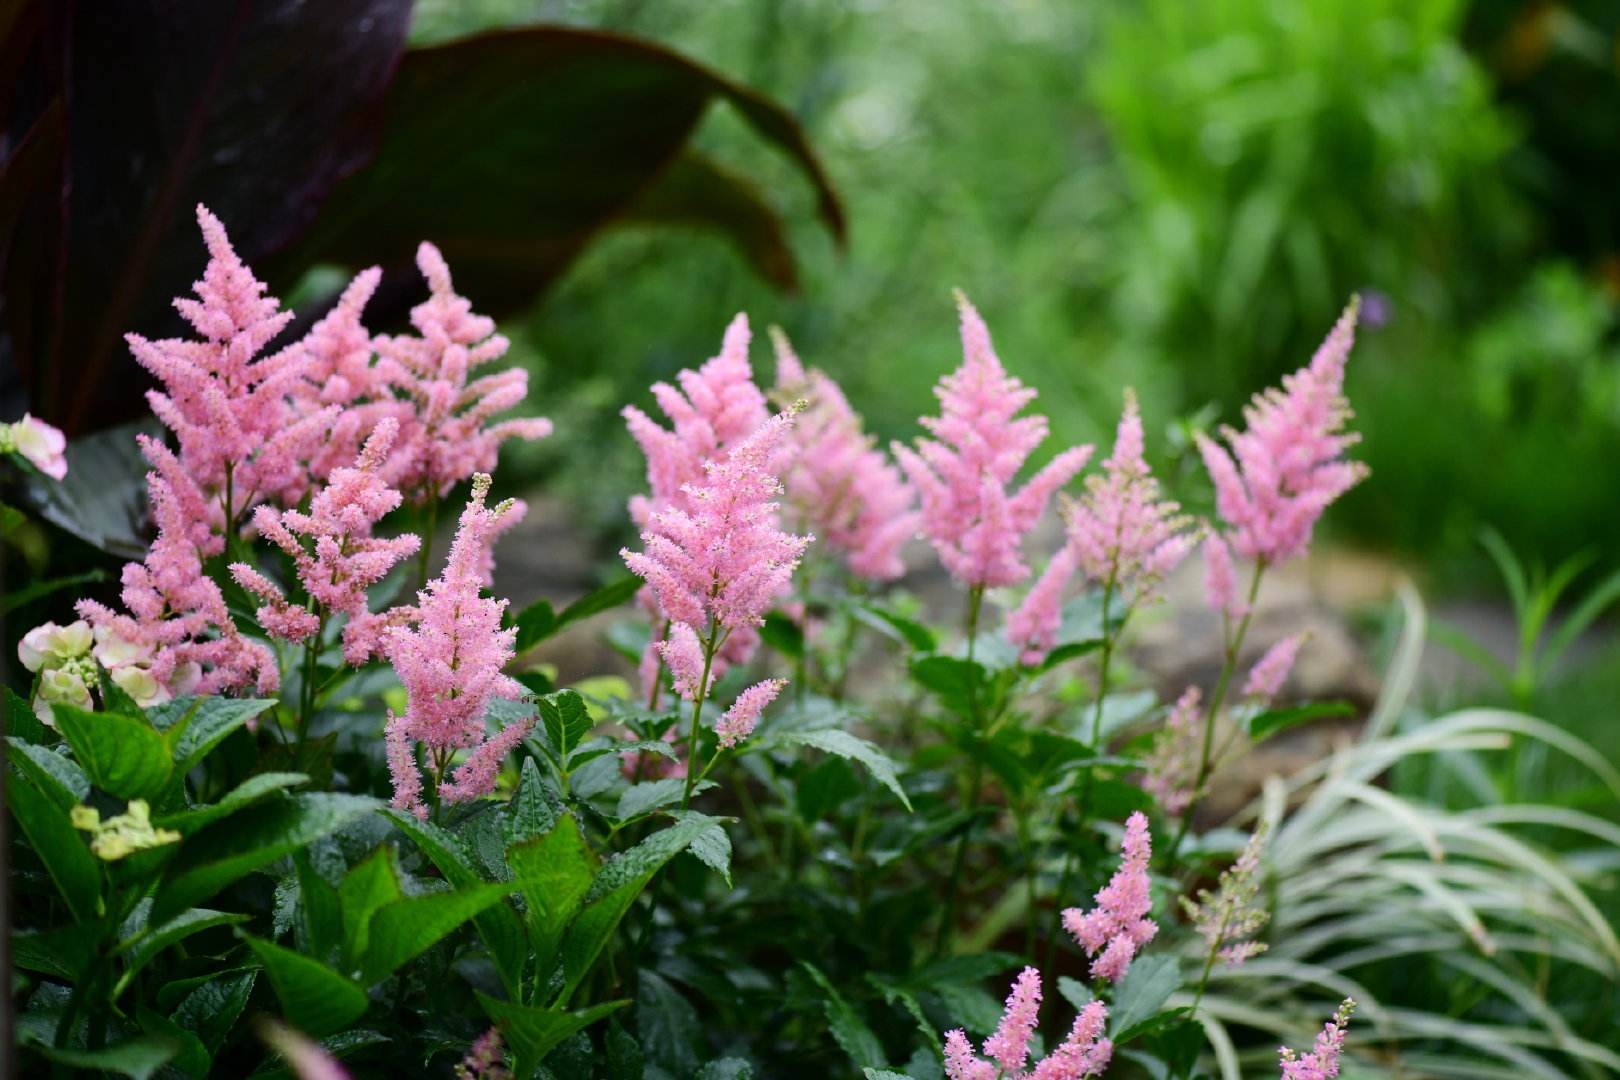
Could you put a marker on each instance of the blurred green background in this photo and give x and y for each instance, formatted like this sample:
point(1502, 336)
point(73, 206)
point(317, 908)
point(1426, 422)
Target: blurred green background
point(1169, 194)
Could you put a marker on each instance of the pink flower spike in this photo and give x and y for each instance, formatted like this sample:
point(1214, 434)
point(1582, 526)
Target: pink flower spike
point(838, 483)
point(978, 443)
point(1220, 582)
point(1173, 766)
point(447, 436)
point(40, 443)
point(1033, 625)
point(1084, 1053)
point(1287, 465)
point(1121, 530)
point(305, 1057)
point(1269, 673)
point(1118, 926)
point(739, 720)
point(961, 1063)
point(475, 777)
point(1322, 1063)
point(1009, 1046)
point(486, 1059)
point(682, 653)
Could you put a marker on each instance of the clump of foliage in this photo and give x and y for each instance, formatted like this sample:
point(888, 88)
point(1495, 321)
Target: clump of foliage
point(292, 799)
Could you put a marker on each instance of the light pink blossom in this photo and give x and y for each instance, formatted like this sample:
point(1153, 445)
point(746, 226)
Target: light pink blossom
point(449, 654)
point(716, 407)
point(41, 444)
point(738, 721)
point(305, 1057)
point(1172, 769)
point(229, 406)
point(485, 1060)
point(1034, 624)
point(682, 653)
point(837, 481)
point(1009, 1045)
point(449, 437)
point(1220, 582)
point(1228, 918)
point(1287, 466)
point(177, 615)
point(726, 560)
point(1083, 1053)
point(978, 444)
point(1322, 1063)
point(334, 553)
point(1113, 931)
point(1269, 673)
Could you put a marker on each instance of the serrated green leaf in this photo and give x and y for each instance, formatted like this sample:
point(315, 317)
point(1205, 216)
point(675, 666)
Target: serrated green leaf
point(52, 773)
point(556, 871)
point(1272, 721)
point(616, 887)
point(176, 929)
point(315, 999)
point(848, 1030)
point(21, 723)
point(191, 1056)
point(1075, 992)
point(121, 755)
point(137, 1058)
point(369, 886)
point(59, 846)
point(322, 907)
point(640, 746)
point(883, 1074)
point(404, 929)
point(1142, 993)
point(498, 925)
point(215, 718)
point(245, 794)
point(913, 633)
point(534, 807)
point(64, 953)
point(669, 1026)
point(1069, 651)
point(212, 1008)
point(534, 1032)
point(220, 853)
point(845, 745)
point(565, 721)
point(960, 684)
point(712, 846)
point(650, 795)
point(534, 624)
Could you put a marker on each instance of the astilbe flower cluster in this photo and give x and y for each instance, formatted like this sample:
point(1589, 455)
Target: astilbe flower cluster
point(1172, 768)
point(485, 1060)
point(334, 553)
point(1120, 533)
point(1288, 464)
point(178, 629)
point(837, 481)
point(448, 436)
point(1220, 579)
point(1084, 1052)
point(1228, 918)
point(448, 651)
point(1266, 678)
point(229, 406)
point(713, 572)
point(1322, 1063)
point(962, 474)
point(1113, 931)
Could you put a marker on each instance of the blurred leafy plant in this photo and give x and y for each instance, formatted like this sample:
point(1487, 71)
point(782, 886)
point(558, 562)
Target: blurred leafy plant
point(512, 149)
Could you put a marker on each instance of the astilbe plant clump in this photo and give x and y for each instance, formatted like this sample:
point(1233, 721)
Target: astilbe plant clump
point(289, 796)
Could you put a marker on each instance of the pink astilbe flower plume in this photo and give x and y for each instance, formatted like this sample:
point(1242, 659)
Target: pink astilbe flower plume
point(1120, 533)
point(1322, 1063)
point(837, 481)
point(178, 628)
point(726, 560)
point(1269, 673)
point(1288, 464)
point(716, 407)
point(1220, 581)
point(739, 720)
point(486, 1059)
point(1228, 918)
point(449, 653)
point(229, 407)
point(1083, 1053)
point(1113, 931)
point(334, 553)
point(962, 473)
point(341, 372)
point(1172, 769)
point(449, 437)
